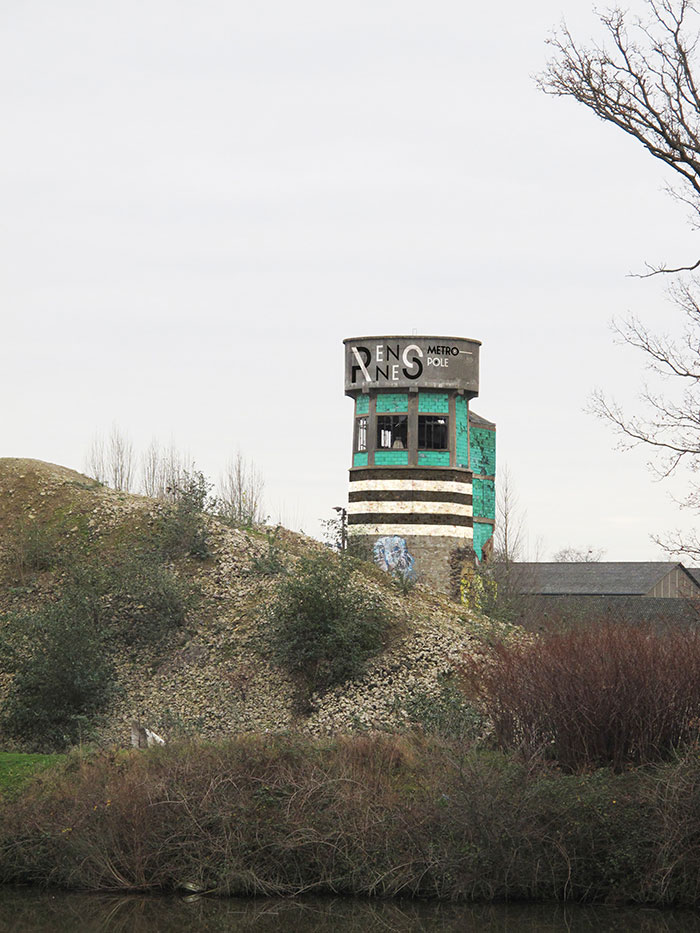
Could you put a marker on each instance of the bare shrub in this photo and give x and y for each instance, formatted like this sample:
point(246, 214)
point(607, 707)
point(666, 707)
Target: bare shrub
point(365, 815)
point(612, 694)
point(240, 493)
point(112, 461)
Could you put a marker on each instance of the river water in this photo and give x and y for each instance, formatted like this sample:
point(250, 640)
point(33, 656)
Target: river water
point(25, 909)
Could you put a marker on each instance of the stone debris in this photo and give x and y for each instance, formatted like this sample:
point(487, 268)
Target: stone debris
point(213, 677)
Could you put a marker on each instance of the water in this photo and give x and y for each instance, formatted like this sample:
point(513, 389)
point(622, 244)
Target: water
point(25, 909)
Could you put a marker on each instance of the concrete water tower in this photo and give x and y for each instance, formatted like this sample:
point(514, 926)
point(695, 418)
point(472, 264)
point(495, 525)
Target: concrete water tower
point(416, 448)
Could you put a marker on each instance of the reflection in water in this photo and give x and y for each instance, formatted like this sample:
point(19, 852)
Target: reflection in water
point(24, 909)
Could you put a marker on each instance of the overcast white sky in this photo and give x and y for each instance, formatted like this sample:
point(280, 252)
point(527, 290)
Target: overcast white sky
point(201, 200)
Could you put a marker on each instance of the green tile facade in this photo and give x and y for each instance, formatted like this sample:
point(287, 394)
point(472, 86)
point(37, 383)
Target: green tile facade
point(482, 533)
point(359, 459)
point(437, 403)
point(462, 429)
point(433, 458)
point(362, 405)
point(391, 458)
point(483, 451)
point(484, 497)
point(392, 402)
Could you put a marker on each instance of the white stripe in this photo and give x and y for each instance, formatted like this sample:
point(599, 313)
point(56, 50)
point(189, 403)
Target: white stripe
point(437, 508)
point(408, 531)
point(361, 364)
point(418, 485)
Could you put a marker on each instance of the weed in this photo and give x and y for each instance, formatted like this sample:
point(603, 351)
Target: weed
point(270, 562)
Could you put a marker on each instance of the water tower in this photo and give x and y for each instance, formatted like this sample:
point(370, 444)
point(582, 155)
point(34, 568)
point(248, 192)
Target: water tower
point(423, 465)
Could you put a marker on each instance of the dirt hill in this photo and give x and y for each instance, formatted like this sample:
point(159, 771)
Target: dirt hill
point(212, 675)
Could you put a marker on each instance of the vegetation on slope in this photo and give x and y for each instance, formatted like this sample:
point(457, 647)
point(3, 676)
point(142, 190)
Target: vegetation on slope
point(116, 607)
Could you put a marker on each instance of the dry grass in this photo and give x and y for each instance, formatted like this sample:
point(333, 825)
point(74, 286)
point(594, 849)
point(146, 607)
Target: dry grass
point(371, 815)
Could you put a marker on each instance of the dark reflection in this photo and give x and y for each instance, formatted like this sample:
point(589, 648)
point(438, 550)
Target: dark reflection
point(25, 909)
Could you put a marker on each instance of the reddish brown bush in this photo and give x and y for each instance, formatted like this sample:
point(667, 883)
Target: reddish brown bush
point(612, 694)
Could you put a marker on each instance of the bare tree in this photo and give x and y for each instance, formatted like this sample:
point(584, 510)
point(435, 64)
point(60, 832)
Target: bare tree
point(95, 462)
point(152, 471)
point(509, 535)
point(575, 555)
point(642, 82)
point(163, 470)
point(240, 492)
point(119, 460)
point(646, 83)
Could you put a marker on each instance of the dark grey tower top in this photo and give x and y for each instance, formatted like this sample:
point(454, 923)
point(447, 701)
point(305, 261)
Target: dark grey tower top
point(406, 362)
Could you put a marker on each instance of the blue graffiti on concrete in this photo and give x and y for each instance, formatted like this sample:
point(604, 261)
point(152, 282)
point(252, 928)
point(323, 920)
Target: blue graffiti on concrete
point(392, 555)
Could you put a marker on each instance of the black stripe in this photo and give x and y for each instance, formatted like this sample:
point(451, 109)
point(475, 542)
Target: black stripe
point(413, 518)
point(409, 495)
point(440, 474)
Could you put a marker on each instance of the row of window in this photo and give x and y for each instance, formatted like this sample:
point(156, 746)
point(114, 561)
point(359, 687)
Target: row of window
point(392, 432)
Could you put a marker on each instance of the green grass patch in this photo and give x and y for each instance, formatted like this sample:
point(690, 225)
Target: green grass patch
point(17, 769)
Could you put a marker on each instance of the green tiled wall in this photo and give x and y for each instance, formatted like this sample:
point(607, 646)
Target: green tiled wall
point(433, 403)
point(391, 458)
point(362, 405)
point(484, 493)
point(483, 451)
point(359, 459)
point(462, 429)
point(433, 458)
point(482, 532)
point(392, 401)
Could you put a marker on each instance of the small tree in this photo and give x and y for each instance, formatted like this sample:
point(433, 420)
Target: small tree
point(509, 534)
point(111, 461)
point(183, 527)
point(240, 493)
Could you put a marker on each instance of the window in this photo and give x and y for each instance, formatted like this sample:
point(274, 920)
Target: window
point(392, 432)
point(432, 432)
point(361, 434)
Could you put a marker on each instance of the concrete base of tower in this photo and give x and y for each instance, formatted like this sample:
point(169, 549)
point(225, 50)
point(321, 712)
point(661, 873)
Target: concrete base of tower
point(439, 560)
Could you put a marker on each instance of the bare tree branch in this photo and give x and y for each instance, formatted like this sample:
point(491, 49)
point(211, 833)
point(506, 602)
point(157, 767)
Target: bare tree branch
point(642, 82)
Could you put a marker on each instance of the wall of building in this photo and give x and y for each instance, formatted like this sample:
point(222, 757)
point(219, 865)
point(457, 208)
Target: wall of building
point(482, 462)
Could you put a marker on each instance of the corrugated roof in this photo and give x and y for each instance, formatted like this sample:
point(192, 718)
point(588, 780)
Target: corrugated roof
point(596, 578)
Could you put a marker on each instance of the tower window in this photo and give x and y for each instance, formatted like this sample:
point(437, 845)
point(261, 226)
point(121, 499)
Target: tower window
point(361, 436)
point(392, 431)
point(432, 432)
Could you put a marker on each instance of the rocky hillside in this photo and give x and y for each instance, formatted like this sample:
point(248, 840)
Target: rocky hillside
point(212, 675)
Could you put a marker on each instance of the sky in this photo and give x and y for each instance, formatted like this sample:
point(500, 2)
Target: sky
point(200, 201)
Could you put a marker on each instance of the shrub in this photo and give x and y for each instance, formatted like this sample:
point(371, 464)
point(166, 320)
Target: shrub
point(445, 713)
point(612, 694)
point(36, 545)
point(145, 599)
point(325, 624)
point(183, 529)
point(63, 676)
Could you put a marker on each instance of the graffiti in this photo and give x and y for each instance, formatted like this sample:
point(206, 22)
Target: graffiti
point(391, 554)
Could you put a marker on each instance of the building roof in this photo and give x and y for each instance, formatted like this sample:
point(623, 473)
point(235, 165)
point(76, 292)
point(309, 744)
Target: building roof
point(479, 420)
point(595, 578)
